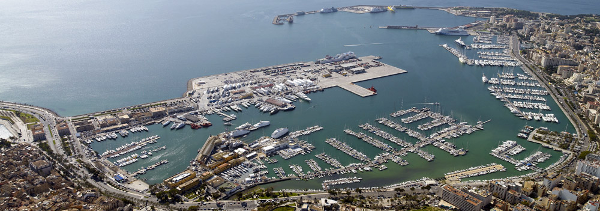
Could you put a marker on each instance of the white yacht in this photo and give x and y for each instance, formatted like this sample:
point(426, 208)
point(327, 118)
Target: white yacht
point(279, 132)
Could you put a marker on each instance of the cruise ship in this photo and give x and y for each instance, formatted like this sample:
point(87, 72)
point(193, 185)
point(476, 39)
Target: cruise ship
point(337, 58)
point(328, 10)
point(452, 32)
point(238, 133)
point(279, 132)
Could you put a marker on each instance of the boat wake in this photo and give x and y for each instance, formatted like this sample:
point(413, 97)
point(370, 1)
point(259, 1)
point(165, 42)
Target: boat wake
point(354, 45)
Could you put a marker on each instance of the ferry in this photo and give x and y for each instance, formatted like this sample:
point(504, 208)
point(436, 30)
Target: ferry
point(452, 32)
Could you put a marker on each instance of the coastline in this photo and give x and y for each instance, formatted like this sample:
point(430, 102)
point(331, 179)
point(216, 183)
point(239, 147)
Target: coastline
point(346, 83)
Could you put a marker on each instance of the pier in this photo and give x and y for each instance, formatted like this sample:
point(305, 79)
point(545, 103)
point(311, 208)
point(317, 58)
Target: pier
point(347, 149)
point(348, 82)
point(474, 171)
point(370, 140)
point(358, 90)
point(127, 148)
point(329, 160)
point(216, 92)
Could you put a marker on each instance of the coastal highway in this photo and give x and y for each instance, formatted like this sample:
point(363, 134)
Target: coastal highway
point(528, 66)
point(47, 119)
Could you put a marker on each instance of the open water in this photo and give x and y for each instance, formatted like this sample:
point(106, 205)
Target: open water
point(79, 57)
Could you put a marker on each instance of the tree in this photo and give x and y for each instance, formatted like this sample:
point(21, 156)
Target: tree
point(216, 195)
point(583, 154)
point(358, 190)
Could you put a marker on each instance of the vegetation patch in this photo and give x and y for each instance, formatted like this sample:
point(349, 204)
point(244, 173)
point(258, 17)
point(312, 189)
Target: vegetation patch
point(7, 119)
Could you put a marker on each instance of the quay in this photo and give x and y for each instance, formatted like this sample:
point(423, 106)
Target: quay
point(341, 74)
point(474, 171)
point(347, 82)
point(416, 27)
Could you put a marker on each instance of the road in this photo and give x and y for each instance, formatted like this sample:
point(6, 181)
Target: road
point(47, 119)
point(528, 66)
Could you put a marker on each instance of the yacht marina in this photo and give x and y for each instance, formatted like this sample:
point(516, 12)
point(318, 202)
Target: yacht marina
point(509, 148)
point(329, 160)
point(347, 149)
point(486, 58)
point(370, 140)
point(127, 148)
point(304, 132)
point(151, 167)
point(328, 183)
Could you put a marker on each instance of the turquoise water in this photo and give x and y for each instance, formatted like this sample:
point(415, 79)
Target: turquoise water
point(111, 57)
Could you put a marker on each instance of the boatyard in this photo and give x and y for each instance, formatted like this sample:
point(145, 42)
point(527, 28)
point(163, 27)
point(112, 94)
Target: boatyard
point(341, 71)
